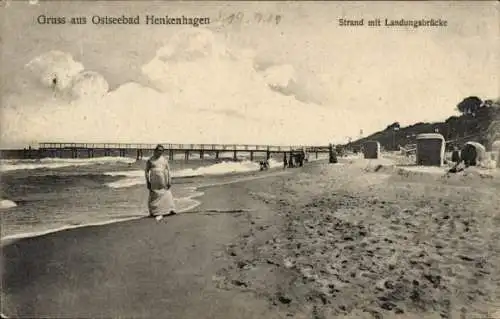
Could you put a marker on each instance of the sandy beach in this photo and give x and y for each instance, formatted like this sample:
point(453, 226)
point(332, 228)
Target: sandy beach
point(358, 239)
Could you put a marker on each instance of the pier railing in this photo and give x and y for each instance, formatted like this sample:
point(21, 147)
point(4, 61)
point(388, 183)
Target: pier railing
point(183, 147)
point(140, 150)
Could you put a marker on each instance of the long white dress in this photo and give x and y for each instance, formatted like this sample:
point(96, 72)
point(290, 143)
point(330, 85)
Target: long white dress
point(160, 200)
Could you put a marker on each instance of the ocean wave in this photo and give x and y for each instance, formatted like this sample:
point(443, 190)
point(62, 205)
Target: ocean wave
point(224, 168)
point(136, 177)
point(8, 238)
point(188, 204)
point(5, 204)
point(11, 165)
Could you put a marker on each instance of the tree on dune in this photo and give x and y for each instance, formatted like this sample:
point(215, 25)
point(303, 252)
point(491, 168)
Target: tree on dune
point(393, 126)
point(469, 105)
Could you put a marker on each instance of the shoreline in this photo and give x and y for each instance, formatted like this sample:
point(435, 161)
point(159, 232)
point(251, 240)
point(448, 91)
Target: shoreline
point(244, 176)
point(114, 270)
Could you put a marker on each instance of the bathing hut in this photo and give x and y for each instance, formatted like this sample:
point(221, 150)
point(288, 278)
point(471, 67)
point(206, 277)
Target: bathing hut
point(473, 153)
point(430, 149)
point(371, 149)
point(495, 150)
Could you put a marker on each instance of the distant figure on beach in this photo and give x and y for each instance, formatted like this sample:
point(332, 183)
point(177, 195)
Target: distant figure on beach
point(159, 182)
point(285, 161)
point(303, 157)
point(264, 165)
point(332, 155)
point(290, 160)
point(299, 158)
point(456, 157)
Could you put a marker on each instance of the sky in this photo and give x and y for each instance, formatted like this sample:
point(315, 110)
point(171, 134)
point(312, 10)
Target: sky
point(297, 79)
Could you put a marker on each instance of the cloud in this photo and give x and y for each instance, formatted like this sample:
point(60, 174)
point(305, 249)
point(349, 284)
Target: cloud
point(89, 84)
point(284, 80)
point(280, 76)
point(201, 92)
point(54, 66)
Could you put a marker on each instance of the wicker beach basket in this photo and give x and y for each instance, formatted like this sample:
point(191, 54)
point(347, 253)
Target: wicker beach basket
point(430, 149)
point(371, 149)
point(473, 153)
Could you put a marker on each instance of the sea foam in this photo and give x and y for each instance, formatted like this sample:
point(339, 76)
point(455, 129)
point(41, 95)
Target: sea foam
point(136, 177)
point(51, 163)
point(5, 204)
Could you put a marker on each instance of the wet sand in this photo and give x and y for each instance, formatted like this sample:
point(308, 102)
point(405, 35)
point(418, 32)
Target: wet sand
point(353, 240)
point(135, 269)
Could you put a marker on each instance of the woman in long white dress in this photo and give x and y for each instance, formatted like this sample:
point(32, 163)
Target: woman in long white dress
point(159, 182)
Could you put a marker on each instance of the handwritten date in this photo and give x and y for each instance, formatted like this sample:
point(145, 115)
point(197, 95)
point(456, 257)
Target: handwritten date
point(258, 17)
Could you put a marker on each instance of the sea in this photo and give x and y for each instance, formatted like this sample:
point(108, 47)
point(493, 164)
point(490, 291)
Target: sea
point(53, 194)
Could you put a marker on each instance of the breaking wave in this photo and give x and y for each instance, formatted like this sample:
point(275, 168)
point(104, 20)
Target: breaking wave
point(51, 163)
point(136, 177)
point(5, 204)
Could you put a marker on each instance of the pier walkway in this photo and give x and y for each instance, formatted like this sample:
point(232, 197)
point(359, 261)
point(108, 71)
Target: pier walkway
point(90, 150)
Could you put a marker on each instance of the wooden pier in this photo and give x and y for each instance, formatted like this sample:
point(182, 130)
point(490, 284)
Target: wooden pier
point(139, 151)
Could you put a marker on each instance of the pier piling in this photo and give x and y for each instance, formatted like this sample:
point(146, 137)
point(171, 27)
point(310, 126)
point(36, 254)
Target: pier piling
point(90, 150)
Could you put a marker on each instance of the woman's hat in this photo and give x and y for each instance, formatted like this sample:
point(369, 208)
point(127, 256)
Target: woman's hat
point(159, 147)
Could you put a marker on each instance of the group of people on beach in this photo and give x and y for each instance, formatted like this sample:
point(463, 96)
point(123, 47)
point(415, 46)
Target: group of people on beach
point(296, 159)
